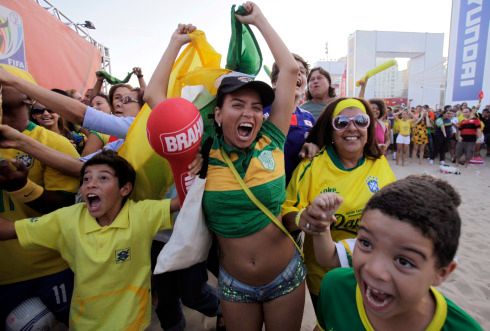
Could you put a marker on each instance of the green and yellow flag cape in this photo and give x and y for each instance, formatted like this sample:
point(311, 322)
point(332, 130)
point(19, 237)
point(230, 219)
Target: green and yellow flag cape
point(194, 75)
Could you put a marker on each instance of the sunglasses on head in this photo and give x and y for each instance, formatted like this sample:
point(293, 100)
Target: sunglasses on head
point(128, 99)
point(340, 122)
point(39, 111)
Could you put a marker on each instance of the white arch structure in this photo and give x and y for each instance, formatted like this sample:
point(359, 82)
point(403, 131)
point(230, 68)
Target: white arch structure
point(425, 68)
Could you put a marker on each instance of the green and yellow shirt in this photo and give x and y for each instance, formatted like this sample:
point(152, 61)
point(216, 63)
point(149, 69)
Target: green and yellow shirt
point(325, 173)
point(340, 307)
point(228, 210)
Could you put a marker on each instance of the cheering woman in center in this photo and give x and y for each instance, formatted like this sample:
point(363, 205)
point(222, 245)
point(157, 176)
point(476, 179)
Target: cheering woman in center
point(262, 275)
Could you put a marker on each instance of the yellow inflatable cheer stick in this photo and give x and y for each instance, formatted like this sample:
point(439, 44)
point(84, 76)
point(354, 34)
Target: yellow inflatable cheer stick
point(267, 70)
point(377, 70)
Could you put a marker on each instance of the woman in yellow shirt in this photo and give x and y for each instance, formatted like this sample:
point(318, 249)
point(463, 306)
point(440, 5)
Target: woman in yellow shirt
point(403, 138)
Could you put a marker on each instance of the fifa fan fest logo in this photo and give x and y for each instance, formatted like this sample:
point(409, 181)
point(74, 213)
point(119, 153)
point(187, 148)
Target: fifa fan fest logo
point(12, 50)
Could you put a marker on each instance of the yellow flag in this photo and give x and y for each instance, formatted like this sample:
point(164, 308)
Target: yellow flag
point(198, 64)
point(153, 173)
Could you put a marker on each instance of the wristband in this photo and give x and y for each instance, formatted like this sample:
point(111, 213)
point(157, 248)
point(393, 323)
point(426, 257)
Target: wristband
point(139, 76)
point(298, 216)
point(30, 192)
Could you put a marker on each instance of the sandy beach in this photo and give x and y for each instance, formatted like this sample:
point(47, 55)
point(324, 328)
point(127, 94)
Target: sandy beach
point(469, 285)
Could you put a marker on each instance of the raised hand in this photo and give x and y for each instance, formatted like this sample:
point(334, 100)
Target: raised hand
point(137, 71)
point(328, 203)
point(318, 216)
point(253, 14)
point(181, 34)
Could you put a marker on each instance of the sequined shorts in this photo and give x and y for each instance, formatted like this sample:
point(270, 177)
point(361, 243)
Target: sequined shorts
point(231, 289)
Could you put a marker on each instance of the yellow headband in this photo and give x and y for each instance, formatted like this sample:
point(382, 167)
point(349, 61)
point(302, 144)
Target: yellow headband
point(348, 103)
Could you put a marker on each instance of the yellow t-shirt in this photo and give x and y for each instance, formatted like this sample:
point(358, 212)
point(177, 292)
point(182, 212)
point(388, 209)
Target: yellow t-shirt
point(460, 117)
point(396, 126)
point(323, 174)
point(404, 127)
point(111, 263)
point(18, 264)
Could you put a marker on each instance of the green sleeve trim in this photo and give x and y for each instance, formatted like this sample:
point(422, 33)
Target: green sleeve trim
point(304, 171)
point(31, 126)
point(98, 136)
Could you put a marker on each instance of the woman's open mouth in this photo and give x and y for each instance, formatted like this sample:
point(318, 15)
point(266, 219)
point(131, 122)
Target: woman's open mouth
point(245, 130)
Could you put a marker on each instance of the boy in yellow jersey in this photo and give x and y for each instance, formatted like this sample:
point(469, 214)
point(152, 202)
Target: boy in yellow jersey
point(404, 248)
point(29, 188)
point(106, 241)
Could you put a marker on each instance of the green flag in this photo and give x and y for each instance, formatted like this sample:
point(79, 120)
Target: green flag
point(113, 80)
point(243, 51)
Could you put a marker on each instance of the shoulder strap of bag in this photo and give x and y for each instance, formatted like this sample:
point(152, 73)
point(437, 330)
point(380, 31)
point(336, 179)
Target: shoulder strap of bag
point(205, 149)
point(256, 201)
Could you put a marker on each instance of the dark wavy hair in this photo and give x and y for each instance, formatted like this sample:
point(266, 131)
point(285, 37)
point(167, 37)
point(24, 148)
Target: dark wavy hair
point(427, 203)
point(321, 133)
point(381, 106)
point(331, 90)
point(102, 95)
point(275, 68)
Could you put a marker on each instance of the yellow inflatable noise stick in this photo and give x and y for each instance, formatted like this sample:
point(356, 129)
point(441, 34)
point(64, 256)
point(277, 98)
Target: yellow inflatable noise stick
point(377, 70)
point(267, 70)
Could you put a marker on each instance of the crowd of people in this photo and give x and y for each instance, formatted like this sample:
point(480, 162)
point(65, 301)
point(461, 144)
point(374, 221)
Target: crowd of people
point(368, 247)
point(421, 132)
point(454, 134)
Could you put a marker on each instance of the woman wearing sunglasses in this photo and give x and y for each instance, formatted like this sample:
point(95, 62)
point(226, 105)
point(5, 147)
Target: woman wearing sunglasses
point(46, 118)
point(349, 163)
point(52, 121)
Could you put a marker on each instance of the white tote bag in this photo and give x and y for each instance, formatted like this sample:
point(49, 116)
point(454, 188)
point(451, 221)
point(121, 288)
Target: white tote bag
point(190, 240)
